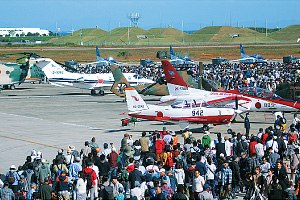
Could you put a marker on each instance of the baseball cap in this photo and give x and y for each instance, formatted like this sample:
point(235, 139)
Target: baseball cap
point(12, 167)
point(162, 170)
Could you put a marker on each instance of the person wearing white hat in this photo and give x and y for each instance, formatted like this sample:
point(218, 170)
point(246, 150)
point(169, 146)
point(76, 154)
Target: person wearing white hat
point(12, 177)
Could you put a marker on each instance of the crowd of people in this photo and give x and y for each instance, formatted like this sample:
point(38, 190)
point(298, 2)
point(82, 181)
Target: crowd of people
point(157, 166)
point(267, 76)
point(229, 76)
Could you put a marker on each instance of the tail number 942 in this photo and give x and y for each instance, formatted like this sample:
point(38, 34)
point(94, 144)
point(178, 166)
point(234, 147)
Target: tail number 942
point(197, 113)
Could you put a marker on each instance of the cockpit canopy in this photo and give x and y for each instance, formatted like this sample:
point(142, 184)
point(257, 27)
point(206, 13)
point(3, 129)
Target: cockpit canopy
point(137, 76)
point(190, 104)
point(259, 92)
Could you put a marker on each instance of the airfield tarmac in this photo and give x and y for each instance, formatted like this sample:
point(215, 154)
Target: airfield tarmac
point(44, 117)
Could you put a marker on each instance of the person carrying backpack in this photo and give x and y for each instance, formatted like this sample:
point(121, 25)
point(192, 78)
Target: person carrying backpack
point(168, 159)
point(59, 168)
point(12, 177)
point(62, 186)
point(30, 177)
point(90, 177)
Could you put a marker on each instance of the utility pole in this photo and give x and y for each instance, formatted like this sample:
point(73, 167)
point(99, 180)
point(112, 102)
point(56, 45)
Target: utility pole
point(128, 35)
point(266, 28)
point(160, 25)
point(182, 33)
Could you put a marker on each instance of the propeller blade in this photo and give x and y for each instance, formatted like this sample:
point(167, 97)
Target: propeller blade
point(236, 103)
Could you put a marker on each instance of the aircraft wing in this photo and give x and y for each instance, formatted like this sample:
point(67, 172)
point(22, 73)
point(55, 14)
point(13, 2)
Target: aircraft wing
point(227, 100)
point(243, 59)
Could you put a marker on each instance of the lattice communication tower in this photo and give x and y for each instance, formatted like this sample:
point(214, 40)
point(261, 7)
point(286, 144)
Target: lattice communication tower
point(134, 18)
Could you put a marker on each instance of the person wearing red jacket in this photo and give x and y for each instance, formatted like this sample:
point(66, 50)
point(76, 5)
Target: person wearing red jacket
point(252, 146)
point(88, 171)
point(159, 148)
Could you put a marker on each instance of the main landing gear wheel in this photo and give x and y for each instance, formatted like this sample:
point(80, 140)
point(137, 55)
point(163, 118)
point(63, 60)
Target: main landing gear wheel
point(12, 87)
point(101, 92)
point(121, 88)
point(205, 128)
point(93, 92)
point(5, 87)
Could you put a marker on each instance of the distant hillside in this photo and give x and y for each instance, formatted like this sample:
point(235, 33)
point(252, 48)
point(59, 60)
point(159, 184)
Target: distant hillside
point(289, 33)
point(166, 36)
point(87, 35)
point(223, 34)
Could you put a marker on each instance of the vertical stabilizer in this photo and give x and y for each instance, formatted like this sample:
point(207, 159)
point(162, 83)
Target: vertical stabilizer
point(51, 68)
point(135, 103)
point(172, 76)
point(98, 54)
point(242, 51)
point(172, 53)
point(176, 85)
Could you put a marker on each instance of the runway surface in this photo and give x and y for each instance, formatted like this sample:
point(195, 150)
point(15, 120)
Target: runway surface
point(44, 117)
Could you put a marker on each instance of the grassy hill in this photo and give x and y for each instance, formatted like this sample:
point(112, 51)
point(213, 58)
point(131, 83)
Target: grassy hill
point(165, 36)
point(222, 34)
point(87, 35)
point(289, 33)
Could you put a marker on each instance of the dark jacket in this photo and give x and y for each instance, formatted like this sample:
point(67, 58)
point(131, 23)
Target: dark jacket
point(135, 176)
point(247, 123)
point(61, 183)
point(104, 168)
point(235, 168)
point(45, 191)
point(189, 176)
point(282, 176)
point(200, 166)
point(220, 148)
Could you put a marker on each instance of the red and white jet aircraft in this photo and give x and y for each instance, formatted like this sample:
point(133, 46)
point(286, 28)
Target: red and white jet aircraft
point(193, 111)
point(245, 99)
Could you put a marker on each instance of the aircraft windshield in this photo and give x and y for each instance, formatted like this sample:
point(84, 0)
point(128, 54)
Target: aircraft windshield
point(259, 92)
point(190, 104)
point(137, 76)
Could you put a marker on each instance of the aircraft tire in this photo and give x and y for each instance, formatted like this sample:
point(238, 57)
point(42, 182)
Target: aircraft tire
point(101, 92)
point(12, 87)
point(5, 87)
point(93, 92)
point(205, 128)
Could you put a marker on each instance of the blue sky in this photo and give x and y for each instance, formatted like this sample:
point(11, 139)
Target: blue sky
point(109, 14)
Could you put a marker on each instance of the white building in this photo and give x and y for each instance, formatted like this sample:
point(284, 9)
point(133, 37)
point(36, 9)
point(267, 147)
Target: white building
point(14, 32)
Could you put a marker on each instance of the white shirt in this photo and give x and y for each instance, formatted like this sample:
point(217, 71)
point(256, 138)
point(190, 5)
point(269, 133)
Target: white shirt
point(211, 169)
point(259, 149)
point(198, 183)
point(136, 193)
point(228, 147)
point(81, 186)
point(273, 144)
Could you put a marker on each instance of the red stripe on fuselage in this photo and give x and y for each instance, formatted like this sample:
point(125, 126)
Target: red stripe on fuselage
point(224, 119)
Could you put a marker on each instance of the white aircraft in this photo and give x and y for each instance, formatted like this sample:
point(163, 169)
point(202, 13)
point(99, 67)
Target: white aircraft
point(185, 60)
point(256, 58)
point(245, 99)
point(58, 76)
point(190, 111)
point(103, 61)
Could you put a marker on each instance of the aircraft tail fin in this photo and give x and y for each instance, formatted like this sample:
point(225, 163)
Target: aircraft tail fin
point(98, 54)
point(50, 68)
point(172, 53)
point(176, 85)
point(172, 76)
point(120, 81)
point(242, 51)
point(135, 103)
